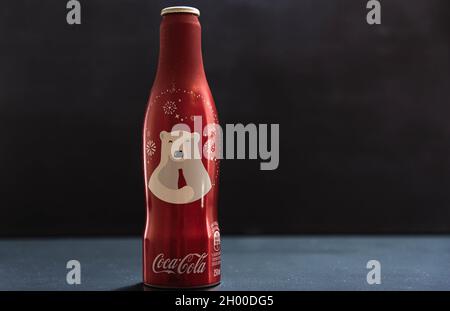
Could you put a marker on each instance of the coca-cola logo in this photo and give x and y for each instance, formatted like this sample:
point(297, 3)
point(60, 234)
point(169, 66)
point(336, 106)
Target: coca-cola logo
point(191, 263)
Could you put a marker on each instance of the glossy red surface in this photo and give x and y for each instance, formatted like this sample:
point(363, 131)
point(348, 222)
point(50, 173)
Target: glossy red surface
point(179, 249)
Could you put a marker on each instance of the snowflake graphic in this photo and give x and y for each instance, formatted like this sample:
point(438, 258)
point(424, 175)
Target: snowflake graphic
point(150, 147)
point(209, 149)
point(169, 107)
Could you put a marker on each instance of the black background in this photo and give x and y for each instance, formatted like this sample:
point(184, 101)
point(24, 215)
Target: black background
point(363, 113)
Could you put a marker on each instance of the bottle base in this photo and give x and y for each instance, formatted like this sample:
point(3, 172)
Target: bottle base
point(184, 287)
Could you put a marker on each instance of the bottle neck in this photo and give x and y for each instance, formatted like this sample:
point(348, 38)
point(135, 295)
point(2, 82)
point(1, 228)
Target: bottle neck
point(180, 52)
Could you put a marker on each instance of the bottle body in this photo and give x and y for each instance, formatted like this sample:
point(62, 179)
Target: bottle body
point(182, 238)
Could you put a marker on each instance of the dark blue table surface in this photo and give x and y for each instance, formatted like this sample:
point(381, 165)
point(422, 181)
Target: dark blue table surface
point(254, 263)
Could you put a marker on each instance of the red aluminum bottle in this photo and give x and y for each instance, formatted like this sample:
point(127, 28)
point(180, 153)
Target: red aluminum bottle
point(182, 239)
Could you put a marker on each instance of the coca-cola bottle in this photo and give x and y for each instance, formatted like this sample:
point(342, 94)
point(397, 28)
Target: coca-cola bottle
point(181, 167)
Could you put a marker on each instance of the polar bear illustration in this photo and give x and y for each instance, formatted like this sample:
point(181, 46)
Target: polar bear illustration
point(179, 151)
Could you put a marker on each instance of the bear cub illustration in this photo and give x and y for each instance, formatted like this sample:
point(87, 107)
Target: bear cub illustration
point(180, 151)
